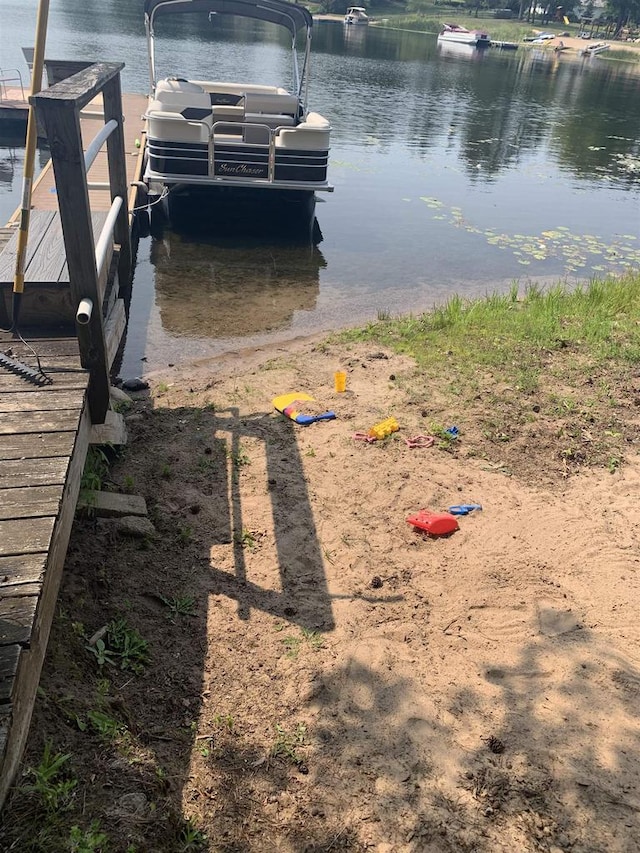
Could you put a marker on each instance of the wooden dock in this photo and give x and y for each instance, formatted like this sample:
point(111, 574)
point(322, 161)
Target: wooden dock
point(46, 429)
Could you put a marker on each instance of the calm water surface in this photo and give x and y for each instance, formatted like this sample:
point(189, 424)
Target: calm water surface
point(455, 171)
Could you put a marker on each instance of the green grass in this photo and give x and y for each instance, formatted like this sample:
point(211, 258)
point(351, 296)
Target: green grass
point(122, 647)
point(51, 782)
point(96, 468)
point(551, 367)
point(293, 643)
point(287, 743)
point(184, 605)
point(511, 333)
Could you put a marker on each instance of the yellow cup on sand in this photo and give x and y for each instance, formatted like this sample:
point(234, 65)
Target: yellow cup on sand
point(340, 381)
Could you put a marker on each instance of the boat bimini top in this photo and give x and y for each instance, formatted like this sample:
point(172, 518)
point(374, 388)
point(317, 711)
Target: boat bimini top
point(294, 18)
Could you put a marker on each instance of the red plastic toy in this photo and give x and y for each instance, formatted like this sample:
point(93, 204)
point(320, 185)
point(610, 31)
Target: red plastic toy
point(435, 523)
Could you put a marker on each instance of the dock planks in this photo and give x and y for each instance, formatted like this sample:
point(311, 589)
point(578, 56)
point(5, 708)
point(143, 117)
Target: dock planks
point(44, 436)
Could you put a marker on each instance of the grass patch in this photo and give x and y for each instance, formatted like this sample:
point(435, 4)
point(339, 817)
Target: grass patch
point(287, 744)
point(504, 365)
point(294, 643)
point(122, 647)
point(514, 333)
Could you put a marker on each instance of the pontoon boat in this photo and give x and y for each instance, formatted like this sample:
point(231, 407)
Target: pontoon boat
point(209, 133)
point(595, 49)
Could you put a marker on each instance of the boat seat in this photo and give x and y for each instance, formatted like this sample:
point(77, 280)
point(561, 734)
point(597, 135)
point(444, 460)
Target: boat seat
point(217, 87)
point(255, 133)
point(181, 93)
point(312, 134)
point(271, 104)
point(228, 113)
point(173, 126)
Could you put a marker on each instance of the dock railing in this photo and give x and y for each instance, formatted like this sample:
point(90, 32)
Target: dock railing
point(59, 109)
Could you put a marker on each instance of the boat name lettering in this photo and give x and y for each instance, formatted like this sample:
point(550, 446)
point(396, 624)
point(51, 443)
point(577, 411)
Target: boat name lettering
point(239, 169)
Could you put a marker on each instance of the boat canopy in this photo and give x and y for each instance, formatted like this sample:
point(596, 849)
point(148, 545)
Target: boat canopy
point(289, 15)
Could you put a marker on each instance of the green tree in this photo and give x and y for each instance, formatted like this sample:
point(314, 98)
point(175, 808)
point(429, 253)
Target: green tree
point(623, 12)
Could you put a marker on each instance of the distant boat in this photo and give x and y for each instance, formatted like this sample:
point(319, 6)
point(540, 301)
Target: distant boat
point(356, 15)
point(461, 35)
point(539, 38)
point(594, 49)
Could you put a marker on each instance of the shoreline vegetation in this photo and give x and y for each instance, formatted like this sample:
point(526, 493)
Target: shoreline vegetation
point(511, 30)
point(298, 671)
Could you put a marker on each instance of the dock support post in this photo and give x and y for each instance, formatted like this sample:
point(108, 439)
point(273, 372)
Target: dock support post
point(112, 97)
point(60, 108)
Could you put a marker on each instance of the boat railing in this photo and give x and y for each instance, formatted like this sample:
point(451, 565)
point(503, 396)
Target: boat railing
point(269, 146)
point(10, 75)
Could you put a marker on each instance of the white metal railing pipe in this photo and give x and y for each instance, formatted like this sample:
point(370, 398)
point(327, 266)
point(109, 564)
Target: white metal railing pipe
point(83, 314)
point(106, 235)
point(97, 142)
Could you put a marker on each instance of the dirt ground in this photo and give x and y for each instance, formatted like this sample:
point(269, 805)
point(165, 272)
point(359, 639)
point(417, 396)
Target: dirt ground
point(321, 675)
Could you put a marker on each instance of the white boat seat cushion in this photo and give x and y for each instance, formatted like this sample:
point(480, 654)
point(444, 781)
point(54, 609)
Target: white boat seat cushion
point(310, 135)
point(271, 104)
point(270, 120)
point(180, 93)
point(227, 113)
point(255, 132)
point(172, 126)
point(174, 84)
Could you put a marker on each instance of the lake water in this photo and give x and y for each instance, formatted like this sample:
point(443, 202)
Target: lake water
point(454, 171)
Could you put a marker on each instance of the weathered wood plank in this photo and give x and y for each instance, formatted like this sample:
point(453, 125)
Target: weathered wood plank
point(36, 445)
point(22, 569)
point(111, 504)
point(30, 661)
point(16, 619)
point(46, 264)
point(39, 222)
point(46, 347)
point(25, 535)
point(49, 399)
point(79, 89)
point(112, 431)
point(48, 305)
point(21, 473)
point(15, 423)
point(5, 722)
point(114, 328)
point(9, 657)
point(18, 590)
point(29, 502)
point(67, 380)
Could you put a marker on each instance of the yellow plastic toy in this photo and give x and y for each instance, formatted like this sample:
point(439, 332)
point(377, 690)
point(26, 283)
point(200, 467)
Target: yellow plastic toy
point(384, 428)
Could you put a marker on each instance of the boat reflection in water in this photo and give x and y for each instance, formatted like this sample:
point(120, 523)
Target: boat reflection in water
point(464, 51)
point(214, 280)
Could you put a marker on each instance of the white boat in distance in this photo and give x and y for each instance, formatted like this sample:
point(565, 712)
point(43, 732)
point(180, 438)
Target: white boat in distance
point(461, 35)
point(211, 133)
point(594, 49)
point(356, 15)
